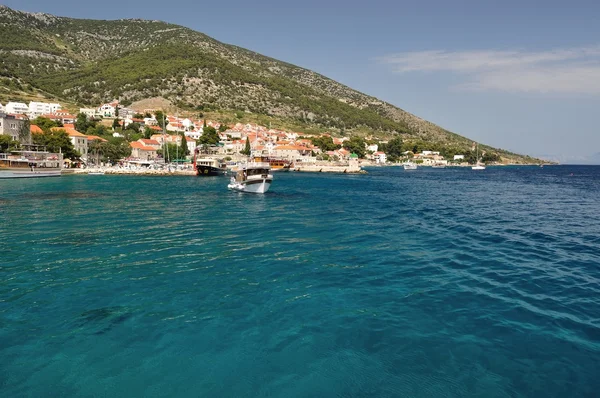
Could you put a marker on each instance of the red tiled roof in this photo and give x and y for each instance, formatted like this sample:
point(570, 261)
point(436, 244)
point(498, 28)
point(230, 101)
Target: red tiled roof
point(95, 137)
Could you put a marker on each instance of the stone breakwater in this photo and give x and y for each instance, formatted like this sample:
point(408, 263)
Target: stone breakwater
point(350, 169)
point(329, 169)
point(148, 172)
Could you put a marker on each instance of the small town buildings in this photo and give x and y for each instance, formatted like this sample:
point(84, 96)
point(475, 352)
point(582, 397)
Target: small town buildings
point(17, 108)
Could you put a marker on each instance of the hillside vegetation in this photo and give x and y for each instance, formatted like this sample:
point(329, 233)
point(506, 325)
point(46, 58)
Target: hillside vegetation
point(88, 62)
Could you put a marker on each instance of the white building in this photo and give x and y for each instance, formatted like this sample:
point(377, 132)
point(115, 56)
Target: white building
point(380, 157)
point(191, 144)
point(17, 108)
point(459, 157)
point(373, 148)
point(194, 134)
point(109, 109)
point(42, 108)
point(89, 112)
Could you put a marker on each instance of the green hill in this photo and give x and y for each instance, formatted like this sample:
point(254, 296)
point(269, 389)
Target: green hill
point(87, 62)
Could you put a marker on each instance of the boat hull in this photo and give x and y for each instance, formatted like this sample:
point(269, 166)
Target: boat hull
point(254, 186)
point(207, 171)
point(7, 173)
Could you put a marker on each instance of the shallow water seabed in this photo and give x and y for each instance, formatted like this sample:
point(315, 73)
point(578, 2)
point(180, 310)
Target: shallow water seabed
point(439, 282)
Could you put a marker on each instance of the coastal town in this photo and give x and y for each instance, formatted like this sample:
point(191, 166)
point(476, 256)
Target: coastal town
point(153, 132)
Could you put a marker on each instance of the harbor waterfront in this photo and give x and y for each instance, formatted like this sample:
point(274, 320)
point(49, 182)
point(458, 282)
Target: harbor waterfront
point(433, 283)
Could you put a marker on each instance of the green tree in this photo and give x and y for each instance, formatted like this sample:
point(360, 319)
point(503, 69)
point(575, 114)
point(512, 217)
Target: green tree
point(490, 157)
point(116, 124)
point(209, 136)
point(161, 118)
point(57, 141)
point(173, 152)
point(325, 143)
point(115, 148)
point(247, 150)
point(82, 123)
point(393, 149)
point(184, 150)
point(24, 132)
point(223, 128)
point(7, 144)
point(44, 123)
point(356, 145)
point(134, 126)
point(148, 132)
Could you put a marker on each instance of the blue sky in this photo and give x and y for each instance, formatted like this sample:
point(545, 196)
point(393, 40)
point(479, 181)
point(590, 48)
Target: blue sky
point(519, 75)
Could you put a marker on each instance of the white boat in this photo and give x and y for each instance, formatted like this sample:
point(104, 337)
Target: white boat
point(254, 177)
point(409, 166)
point(478, 165)
point(30, 164)
point(439, 166)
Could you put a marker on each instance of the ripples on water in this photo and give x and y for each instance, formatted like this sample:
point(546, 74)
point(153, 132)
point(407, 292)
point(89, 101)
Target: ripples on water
point(427, 283)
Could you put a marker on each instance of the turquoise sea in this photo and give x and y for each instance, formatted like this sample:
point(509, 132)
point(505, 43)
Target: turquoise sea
point(433, 283)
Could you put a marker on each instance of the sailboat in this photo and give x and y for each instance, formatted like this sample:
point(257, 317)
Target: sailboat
point(478, 165)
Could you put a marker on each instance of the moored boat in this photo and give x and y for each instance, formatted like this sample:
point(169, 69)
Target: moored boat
point(409, 166)
point(206, 166)
point(30, 164)
point(253, 177)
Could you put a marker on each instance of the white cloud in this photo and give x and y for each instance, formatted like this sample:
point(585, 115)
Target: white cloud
point(575, 70)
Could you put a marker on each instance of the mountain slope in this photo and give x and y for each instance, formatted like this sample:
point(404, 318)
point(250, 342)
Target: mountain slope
point(90, 61)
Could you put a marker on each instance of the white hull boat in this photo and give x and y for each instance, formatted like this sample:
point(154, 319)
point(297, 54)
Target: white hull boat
point(253, 177)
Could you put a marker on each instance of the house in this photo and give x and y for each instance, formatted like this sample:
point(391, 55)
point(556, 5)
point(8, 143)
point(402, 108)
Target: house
point(16, 108)
point(39, 108)
point(380, 157)
point(13, 126)
point(142, 152)
point(79, 141)
point(459, 157)
point(65, 117)
point(195, 135)
point(108, 110)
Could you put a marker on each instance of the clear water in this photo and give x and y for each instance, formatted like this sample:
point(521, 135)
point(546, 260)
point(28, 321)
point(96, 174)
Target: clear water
point(432, 283)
